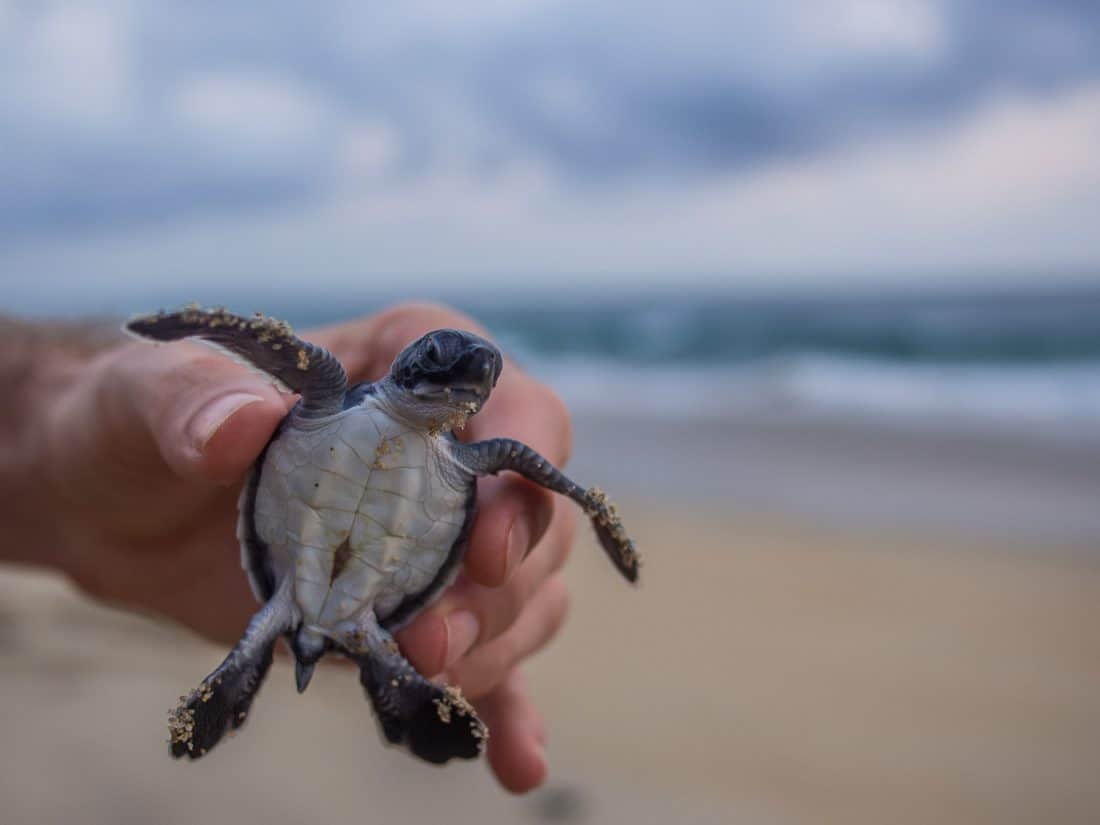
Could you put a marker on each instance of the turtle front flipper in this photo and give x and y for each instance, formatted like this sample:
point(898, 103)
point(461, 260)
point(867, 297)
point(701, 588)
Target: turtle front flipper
point(264, 343)
point(496, 454)
point(433, 721)
point(221, 701)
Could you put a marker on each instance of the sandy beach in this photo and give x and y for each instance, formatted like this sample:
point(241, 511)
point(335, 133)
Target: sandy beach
point(1031, 487)
point(768, 671)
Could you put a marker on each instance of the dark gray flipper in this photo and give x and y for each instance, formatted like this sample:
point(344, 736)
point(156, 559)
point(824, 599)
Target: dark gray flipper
point(221, 702)
point(267, 344)
point(497, 454)
point(433, 721)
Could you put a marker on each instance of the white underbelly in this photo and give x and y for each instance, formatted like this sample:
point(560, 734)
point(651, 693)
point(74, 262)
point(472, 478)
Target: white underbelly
point(393, 550)
point(358, 516)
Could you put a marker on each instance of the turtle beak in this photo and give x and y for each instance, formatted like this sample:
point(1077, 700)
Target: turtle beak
point(473, 375)
point(481, 368)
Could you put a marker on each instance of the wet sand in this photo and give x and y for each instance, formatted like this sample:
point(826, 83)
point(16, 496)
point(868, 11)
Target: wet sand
point(768, 671)
point(1029, 487)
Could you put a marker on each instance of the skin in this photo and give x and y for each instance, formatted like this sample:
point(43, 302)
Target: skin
point(125, 473)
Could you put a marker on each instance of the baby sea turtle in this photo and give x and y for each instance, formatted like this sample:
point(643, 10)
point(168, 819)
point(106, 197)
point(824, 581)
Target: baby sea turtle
point(355, 517)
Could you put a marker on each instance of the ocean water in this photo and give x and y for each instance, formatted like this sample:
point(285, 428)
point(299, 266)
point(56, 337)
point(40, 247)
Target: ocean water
point(1026, 364)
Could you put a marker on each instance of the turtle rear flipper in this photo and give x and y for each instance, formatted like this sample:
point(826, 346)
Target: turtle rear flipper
point(219, 704)
point(433, 721)
point(222, 700)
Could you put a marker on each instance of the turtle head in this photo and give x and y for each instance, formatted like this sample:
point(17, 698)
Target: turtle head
point(445, 375)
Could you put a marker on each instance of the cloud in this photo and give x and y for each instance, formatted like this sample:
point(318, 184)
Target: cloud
point(906, 28)
point(564, 125)
point(241, 113)
point(66, 68)
point(944, 206)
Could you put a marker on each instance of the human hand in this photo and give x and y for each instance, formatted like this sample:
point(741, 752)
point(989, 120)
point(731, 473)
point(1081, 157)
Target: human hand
point(142, 454)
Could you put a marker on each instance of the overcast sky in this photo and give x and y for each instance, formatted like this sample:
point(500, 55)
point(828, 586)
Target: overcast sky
point(419, 145)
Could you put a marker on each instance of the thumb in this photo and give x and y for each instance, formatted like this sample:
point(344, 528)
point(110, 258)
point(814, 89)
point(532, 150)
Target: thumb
point(208, 417)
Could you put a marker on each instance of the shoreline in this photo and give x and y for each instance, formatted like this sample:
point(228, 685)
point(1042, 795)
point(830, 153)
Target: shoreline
point(848, 472)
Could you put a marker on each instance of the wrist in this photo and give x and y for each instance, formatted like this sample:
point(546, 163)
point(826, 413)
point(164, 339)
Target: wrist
point(39, 362)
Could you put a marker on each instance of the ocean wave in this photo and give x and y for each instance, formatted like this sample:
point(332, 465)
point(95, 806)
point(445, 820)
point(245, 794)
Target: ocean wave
point(691, 329)
point(1053, 398)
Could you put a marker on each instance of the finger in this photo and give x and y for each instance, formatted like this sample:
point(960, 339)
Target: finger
point(206, 416)
point(517, 736)
point(498, 608)
point(468, 613)
point(513, 515)
point(514, 511)
point(486, 665)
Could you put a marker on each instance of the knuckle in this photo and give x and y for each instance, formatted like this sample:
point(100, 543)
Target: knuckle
point(501, 657)
point(184, 376)
point(174, 388)
point(558, 414)
point(515, 595)
point(177, 373)
point(479, 674)
point(114, 369)
point(539, 508)
point(134, 370)
point(506, 606)
point(560, 600)
point(564, 534)
point(424, 642)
